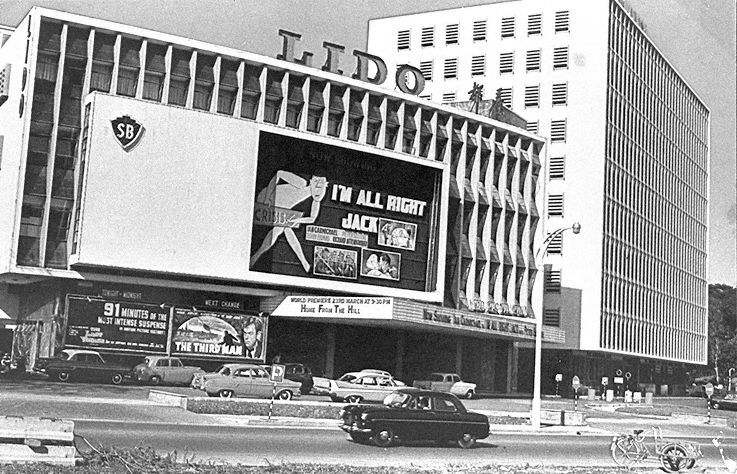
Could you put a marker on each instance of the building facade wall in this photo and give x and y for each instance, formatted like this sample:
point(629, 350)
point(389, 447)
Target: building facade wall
point(82, 71)
point(553, 63)
point(655, 289)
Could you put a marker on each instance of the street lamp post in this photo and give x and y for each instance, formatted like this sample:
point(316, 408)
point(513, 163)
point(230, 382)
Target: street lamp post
point(536, 399)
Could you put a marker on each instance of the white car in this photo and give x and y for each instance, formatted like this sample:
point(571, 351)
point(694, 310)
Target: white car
point(447, 382)
point(357, 387)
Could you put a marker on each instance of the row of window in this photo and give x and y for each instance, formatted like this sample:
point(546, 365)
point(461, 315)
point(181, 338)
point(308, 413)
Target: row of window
point(479, 30)
point(533, 63)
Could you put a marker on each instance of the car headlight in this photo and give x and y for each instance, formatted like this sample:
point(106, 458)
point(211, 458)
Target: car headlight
point(364, 416)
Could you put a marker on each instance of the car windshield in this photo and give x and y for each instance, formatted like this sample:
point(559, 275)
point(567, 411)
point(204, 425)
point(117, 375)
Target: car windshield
point(64, 355)
point(347, 378)
point(396, 399)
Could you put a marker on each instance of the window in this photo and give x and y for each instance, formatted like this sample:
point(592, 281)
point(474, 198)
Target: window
point(478, 65)
point(451, 68)
point(555, 246)
point(428, 36)
point(505, 95)
point(441, 404)
point(130, 62)
point(561, 21)
point(551, 317)
point(533, 127)
point(560, 57)
point(403, 39)
point(532, 96)
point(451, 34)
point(533, 60)
point(534, 24)
point(558, 131)
point(506, 63)
point(479, 30)
point(508, 27)
point(179, 77)
point(555, 205)
point(449, 97)
point(426, 69)
point(552, 281)
point(557, 167)
point(153, 79)
point(560, 94)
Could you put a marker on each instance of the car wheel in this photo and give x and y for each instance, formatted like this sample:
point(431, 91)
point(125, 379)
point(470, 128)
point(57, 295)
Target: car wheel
point(225, 393)
point(284, 395)
point(117, 379)
point(63, 376)
point(383, 436)
point(354, 399)
point(469, 394)
point(155, 380)
point(466, 441)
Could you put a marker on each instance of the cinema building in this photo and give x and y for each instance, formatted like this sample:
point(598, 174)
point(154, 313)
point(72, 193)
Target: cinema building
point(628, 158)
point(163, 194)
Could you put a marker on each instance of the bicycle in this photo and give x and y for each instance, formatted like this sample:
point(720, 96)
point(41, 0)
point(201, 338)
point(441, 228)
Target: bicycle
point(674, 456)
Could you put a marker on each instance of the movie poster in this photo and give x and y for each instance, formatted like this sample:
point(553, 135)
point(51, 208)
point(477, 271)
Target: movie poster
point(219, 335)
point(380, 264)
point(97, 323)
point(335, 262)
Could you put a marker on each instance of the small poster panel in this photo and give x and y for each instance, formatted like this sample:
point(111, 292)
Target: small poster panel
point(219, 335)
point(98, 323)
point(380, 264)
point(397, 234)
point(335, 262)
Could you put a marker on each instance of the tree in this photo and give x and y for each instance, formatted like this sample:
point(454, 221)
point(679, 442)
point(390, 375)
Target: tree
point(722, 339)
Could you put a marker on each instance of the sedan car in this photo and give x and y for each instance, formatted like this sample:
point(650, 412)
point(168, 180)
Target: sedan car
point(249, 380)
point(413, 414)
point(357, 387)
point(77, 364)
point(728, 402)
point(159, 369)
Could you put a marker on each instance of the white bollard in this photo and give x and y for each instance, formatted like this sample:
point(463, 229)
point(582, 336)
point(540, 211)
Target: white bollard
point(627, 396)
point(637, 397)
point(610, 395)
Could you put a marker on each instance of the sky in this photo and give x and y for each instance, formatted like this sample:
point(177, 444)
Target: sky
point(697, 37)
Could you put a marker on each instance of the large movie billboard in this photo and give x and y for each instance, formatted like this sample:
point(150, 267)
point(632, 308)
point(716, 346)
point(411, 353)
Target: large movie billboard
point(329, 212)
point(119, 325)
point(219, 335)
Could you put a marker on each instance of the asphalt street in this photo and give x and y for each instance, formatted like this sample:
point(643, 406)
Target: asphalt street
point(123, 416)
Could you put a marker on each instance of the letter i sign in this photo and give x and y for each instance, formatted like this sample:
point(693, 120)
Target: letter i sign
point(127, 131)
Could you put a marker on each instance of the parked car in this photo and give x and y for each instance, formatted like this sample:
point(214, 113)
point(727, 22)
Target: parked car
point(249, 380)
point(447, 382)
point(414, 414)
point(698, 386)
point(77, 364)
point(357, 387)
point(727, 402)
point(158, 369)
point(199, 379)
point(299, 373)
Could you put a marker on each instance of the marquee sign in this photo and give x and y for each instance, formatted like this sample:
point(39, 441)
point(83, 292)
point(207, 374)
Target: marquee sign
point(409, 79)
point(335, 307)
point(328, 212)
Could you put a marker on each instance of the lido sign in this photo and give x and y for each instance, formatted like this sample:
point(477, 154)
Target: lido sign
point(408, 78)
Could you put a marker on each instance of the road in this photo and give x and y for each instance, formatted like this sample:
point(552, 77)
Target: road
point(263, 446)
point(122, 416)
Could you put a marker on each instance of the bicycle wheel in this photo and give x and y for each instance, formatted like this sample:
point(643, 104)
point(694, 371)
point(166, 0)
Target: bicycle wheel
point(625, 451)
point(673, 458)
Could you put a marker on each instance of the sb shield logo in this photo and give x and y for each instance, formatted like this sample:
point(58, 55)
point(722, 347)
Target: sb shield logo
point(127, 131)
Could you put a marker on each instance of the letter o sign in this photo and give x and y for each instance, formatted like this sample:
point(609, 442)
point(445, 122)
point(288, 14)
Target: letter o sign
point(403, 70)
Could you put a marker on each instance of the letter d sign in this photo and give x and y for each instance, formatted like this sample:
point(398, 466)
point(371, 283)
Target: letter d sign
point(127, 131)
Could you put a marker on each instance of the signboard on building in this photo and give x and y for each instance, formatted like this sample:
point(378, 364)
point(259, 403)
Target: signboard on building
point(328, 212)
point(99, 323)
point(220, 335)
point(335, 307)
